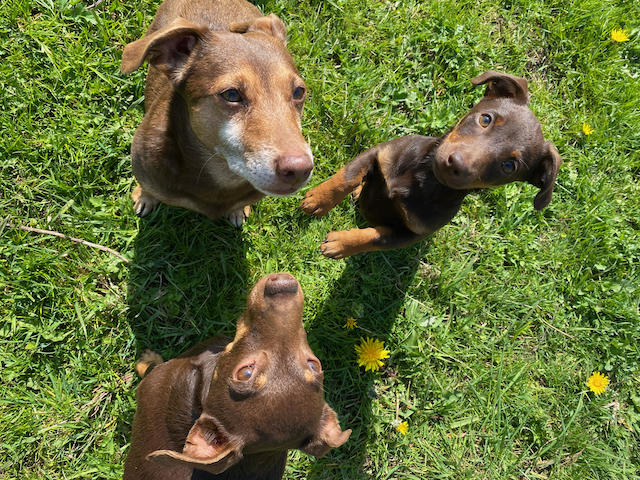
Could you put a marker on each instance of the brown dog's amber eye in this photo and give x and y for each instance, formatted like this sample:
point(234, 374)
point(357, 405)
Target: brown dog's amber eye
point(231, 95)
point(484, 120)
point(298, 93)
point(245, 373)
point(508, 167)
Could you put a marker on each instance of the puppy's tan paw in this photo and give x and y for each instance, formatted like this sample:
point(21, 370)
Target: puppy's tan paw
point(345, 243)
point(316, 202)
point(334, 245)
point(238, 217)
point(147, 359)
point(143, 203)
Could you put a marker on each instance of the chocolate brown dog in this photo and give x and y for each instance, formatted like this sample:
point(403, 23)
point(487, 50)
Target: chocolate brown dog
point(414, 185)
point(223, 103)
point(232, 409)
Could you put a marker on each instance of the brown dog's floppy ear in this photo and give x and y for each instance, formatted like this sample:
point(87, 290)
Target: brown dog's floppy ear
point(544, 176)
point(206, 448)
point(270, 24)
point(167, 49)
point(330, 434)
point(501, 85)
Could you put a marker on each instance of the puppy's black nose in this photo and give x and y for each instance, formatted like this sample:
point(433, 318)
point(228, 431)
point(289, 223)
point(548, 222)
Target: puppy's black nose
point(281, 283)
point(456, 163)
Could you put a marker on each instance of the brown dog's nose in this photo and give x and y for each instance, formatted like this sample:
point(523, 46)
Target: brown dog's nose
point(281, 283)
point(294, 169)
point(456, 163)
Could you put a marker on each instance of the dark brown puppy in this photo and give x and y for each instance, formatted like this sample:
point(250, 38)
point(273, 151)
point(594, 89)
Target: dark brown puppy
point(223, 103)
point(414, 185)
point(231, 410)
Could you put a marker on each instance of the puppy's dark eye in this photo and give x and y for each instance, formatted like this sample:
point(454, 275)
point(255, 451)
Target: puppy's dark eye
point(231, 95)
point(484, 120)
point(508, 167)
point(313, 365)
point(298, 93)
point(245, 373)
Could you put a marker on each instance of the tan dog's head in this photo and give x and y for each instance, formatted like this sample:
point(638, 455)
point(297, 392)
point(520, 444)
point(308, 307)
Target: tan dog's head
point(266, 391)
point(244, 96)
point(499, 141)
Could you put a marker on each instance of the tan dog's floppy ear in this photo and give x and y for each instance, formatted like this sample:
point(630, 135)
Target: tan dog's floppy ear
point(206, 448)
point(270, 24)
point(544, 176)
point(330, 434)
point(503, 85)
point(167, 49)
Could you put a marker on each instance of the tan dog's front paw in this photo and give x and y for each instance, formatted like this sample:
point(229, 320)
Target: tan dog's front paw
point(148, 358)
point(238, 217)
point(143, 203)
point(317, 202)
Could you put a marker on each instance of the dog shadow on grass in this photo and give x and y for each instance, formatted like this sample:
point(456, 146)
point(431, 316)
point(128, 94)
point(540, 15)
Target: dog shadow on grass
point(372, 289)
point(187, 280)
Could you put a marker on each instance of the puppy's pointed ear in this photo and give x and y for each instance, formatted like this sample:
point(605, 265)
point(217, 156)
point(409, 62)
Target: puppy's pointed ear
point(207, 448)
point(545, 174)
point(501, 85)
point(168, 49)
point(270, 24)
point(329, 435)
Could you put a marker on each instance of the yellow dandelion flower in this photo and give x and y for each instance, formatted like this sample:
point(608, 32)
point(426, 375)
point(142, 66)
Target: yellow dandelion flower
point(403, 428)
point(351, 323)
point(619, 35)
point(586, 129)
point(370, 353)
point(597, 383)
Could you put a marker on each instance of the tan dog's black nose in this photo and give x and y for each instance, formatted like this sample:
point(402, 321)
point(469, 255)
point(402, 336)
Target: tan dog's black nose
point(294, 169)
point(281, 283)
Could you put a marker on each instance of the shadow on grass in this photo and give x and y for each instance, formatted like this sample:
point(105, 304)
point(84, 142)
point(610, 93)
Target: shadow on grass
point(373, 288)
point(186, 282)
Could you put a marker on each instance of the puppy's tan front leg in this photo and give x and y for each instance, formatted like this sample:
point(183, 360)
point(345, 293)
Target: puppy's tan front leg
point(143, 202)
point(345, 243)
point(319, 200)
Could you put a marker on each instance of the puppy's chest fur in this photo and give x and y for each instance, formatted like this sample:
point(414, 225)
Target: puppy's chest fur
point(401, 190)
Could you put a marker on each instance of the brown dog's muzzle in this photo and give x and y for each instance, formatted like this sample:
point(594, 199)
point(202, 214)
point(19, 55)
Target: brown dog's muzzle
point(279, 283)
point(454, 171)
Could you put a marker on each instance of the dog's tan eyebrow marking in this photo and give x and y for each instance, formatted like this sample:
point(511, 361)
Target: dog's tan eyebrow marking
point(261, 380)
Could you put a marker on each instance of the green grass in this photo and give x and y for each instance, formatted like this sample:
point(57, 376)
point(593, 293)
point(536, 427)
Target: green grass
point(494, 324)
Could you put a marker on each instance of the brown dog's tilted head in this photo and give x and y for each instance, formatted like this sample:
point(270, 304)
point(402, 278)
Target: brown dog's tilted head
point(499, 141)
point(244, 97)
point(266, 391)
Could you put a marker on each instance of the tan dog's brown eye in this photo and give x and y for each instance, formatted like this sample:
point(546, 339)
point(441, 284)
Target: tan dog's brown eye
point(484, 120)
point(298, 93)
point(231, 95)
point(245, 373)
point(508, 167)
point(313, 365)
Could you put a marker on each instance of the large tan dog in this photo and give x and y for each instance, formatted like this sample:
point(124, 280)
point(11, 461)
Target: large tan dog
point(223, 103)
